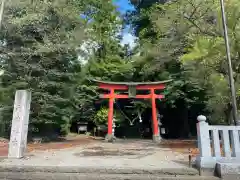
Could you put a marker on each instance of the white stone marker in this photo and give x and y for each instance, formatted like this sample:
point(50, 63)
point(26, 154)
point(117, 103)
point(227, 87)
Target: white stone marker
point(19, 130)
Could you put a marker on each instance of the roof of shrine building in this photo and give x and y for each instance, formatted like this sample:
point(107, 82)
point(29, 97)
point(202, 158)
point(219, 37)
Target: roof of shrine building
point(131, 83)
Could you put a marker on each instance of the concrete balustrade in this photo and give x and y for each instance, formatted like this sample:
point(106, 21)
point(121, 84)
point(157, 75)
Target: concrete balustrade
point(210, 141)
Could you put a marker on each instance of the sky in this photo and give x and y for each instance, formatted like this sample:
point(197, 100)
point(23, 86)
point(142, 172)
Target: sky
point(123, 6)
point(128, 38)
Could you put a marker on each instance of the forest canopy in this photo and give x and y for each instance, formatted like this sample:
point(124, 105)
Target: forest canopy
point(55, 47)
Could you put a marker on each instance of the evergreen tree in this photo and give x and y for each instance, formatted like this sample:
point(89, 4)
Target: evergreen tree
point(108, 60)
point(39, 41)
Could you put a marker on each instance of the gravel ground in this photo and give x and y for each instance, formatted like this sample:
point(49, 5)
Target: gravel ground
point(98, 160)
point(125, 154)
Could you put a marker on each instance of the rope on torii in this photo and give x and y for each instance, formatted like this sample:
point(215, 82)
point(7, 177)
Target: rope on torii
point(131, 122)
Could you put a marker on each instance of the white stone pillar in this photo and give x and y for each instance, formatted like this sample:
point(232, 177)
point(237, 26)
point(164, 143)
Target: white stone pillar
point(235, 141)
point(20, 120)
point(205, 159)
point(216, 143)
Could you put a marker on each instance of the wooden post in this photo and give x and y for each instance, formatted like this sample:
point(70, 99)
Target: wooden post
point(156, 136)
point(110, 115)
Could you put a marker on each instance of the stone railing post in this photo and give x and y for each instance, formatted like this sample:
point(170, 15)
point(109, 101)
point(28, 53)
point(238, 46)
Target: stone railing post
point(203, 137)
point(205, 159)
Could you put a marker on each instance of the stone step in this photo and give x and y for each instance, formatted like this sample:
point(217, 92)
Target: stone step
point(100, 170)
point(96, 176)
point(228, 169)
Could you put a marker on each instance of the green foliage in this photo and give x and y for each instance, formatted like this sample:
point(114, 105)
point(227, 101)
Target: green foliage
point(108, 60)
point(101, 117)
point(39, 54)
point(182, 40)
point(179, 40)
point(203, 48)
point(208, 55)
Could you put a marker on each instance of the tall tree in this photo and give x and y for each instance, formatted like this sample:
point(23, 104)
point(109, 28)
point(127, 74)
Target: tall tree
point(38, 50)
point(163, 42)
point(108, 60)
point(207, 56)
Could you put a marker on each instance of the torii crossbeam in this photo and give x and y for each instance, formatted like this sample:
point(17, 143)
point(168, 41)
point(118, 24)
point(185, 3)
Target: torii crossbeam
point(132, 87)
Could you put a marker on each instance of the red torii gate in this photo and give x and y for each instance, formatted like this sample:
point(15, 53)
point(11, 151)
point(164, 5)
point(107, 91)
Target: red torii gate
point(132, 87)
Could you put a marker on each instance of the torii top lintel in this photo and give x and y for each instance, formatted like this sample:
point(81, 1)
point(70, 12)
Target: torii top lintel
point(125, 85)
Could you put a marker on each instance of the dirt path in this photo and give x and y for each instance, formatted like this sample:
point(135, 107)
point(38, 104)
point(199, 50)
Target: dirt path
point(68, 142)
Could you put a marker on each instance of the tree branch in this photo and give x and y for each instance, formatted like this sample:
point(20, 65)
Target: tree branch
point(200, 30)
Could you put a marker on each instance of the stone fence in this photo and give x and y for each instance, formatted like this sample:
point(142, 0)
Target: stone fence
point(216, 143)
